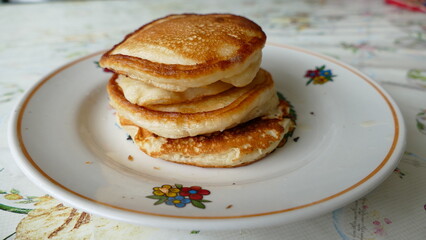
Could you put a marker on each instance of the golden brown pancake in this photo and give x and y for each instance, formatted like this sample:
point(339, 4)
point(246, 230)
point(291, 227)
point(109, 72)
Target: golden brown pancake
point(206, 115)
point(237, 146)
point(188, 88)
point(184, 51)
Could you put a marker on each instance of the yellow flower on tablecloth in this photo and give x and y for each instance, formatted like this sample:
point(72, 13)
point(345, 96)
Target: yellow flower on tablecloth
point(43, 198)
point(13, 196)
point(165, 190)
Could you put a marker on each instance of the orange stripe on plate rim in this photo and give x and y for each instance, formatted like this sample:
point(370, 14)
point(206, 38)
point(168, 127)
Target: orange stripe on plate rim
point(370, 175)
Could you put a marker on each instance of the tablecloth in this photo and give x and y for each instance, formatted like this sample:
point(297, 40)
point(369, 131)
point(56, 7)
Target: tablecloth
point(383, 41)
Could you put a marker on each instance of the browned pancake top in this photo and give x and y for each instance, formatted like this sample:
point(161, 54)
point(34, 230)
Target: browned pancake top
point(213, 42)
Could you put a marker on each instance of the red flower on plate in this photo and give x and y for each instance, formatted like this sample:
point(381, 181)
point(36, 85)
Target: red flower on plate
point(312, 73)
point(194, 192)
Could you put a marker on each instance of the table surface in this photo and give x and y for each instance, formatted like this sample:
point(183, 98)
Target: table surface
point(385, 42)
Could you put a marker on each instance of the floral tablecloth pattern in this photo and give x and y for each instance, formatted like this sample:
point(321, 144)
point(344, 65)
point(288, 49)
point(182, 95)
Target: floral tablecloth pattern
point(385, 42)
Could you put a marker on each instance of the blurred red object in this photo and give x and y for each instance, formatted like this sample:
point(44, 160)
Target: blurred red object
point(412, 5)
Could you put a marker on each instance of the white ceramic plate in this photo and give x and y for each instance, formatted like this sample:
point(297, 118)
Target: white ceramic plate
point(350, 136)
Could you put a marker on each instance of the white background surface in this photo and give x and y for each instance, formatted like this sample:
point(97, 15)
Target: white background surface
point(381, 41)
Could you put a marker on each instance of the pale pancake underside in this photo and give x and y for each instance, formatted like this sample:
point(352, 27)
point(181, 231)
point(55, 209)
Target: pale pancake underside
point(142, 94)
point(238, 75)
point(206, 115)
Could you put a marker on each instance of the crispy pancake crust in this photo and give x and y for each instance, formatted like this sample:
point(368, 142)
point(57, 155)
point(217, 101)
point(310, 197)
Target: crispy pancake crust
point(232, 107)
point(189, 49)
point(234, 147)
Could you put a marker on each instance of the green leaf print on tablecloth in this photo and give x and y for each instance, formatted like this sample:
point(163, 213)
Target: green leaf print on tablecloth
point(17, 198)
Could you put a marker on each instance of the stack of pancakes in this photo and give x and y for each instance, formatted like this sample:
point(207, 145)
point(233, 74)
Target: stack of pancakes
point(189, 89)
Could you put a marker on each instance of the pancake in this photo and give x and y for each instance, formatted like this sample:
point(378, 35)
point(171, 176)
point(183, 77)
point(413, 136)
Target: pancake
point(238, 146)
point(142, 94)
point(184, 51)
point(207, 115)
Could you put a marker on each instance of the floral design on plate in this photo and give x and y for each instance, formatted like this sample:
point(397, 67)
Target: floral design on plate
point(99, 66)
point(179, 196)
point(319, 75)
point(292, 115)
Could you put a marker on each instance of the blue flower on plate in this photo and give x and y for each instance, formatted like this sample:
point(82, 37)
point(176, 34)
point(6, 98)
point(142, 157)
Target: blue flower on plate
point(178, 201)
point(326, 73)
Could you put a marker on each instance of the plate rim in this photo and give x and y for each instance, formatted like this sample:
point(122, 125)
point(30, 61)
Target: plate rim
point(22, 156)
